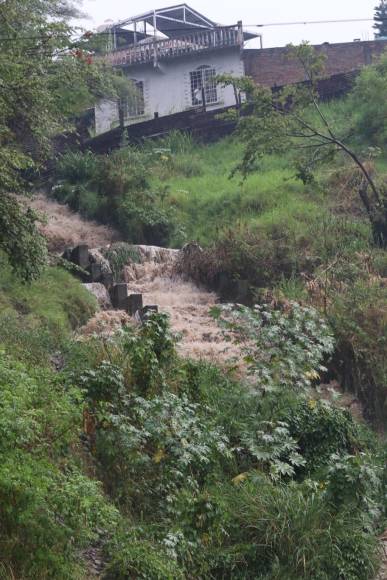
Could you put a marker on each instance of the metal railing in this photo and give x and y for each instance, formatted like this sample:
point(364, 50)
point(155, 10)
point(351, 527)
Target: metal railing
point(153, 51)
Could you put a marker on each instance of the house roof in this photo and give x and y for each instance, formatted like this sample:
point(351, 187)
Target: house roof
point(172, 21)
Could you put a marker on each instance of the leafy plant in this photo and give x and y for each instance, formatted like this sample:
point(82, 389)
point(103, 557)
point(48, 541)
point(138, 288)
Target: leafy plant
point(119, 255)
point(271, 445)
point(49, 509)
point(321, 430)
point(284, 347)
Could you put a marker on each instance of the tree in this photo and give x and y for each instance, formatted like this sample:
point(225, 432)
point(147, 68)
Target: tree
point(380, 19)
point(293, 120)
point(47, 75)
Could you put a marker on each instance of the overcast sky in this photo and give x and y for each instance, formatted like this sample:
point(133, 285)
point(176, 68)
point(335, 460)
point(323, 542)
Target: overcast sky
point(259, 12)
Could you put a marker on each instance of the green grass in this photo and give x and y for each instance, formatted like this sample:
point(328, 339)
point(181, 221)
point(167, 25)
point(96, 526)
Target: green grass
point(36, 318)
point(56, 299)
point(211, 200)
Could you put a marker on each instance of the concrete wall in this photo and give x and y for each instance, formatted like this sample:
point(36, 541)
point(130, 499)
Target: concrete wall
point(272, 67)
point(167, 88)
point(106, 113)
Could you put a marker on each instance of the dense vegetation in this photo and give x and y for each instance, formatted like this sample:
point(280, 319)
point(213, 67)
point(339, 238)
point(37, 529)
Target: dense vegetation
point(292, 230)
point(48, 77)
point(169, 467)
point(165, 467)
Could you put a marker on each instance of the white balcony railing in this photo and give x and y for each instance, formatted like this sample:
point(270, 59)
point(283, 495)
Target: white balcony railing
point(155, 50)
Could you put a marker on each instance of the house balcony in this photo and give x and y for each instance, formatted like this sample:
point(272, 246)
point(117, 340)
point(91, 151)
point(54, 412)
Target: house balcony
point(153, 51)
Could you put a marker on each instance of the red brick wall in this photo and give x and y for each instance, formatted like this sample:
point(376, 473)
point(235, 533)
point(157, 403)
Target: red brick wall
point(272, 67)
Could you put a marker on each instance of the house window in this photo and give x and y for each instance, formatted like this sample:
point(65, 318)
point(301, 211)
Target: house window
point(203, 78)
point(134, 104)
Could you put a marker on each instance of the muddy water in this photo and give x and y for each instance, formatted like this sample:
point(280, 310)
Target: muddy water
point(64, 228)
point(187, 305)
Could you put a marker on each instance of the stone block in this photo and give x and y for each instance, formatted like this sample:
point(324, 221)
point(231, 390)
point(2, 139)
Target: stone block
point(95, 272)
point(107, 280)
point(134, 303)
point(80, 256)
point(119, 295)
point(67, 254)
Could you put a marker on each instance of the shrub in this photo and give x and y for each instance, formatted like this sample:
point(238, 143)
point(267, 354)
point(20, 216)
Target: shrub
point(321, 430)
point(369, 108)
point(355, 481)
point(20, 239)
point(133, 558)
point(115, 189)
point(284, 347)
point(178, 142)
point(75, 167)
point(358, 318)
point(119, 255)
point(48, 508)
point(142, 219)
point(163, 445)
point(289, 532)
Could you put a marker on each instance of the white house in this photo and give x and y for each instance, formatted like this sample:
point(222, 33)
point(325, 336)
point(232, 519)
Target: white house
point(173, 56)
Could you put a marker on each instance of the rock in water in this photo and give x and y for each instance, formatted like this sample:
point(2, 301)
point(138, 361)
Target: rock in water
point(96, 257)
point(100, 292)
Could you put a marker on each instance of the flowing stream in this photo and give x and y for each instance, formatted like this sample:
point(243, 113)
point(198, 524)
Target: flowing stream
point(186, 304)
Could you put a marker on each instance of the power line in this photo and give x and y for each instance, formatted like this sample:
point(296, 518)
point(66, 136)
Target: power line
point(89, 34)
point(304, 22)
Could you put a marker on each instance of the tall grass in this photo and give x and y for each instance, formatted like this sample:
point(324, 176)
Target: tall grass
point(208, 199)
point(35, 319)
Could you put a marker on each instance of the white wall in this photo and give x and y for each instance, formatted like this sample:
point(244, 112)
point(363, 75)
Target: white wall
point(167, 88)
point(106, 116)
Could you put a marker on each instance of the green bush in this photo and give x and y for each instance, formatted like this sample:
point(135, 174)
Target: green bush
point(321, 430)
point(277, 532)
point(367, 104)
point(163, 439)
point(177, 142)
point(133, 558)
point(119, 255)
point(37, 317)
point(20, 239)
point(115, 189)
point(284, 347)
point(355, 481)
point(358, 318)
point(142, 219)
point(76, 167)
point(48, 508)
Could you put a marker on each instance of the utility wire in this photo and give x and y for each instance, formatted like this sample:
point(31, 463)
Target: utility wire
point(343, 20)
point(92, 34)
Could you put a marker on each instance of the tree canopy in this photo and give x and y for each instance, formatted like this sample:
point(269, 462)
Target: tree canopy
point(380, 19)
point(47, 77)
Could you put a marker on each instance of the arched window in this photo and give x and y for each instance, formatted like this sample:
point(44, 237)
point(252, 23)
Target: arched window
point(134, 104)
point(203, 80)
